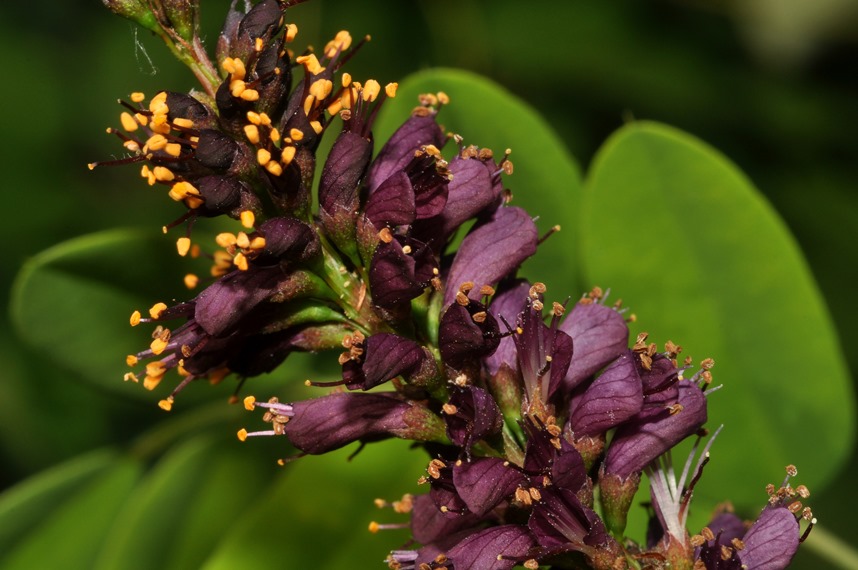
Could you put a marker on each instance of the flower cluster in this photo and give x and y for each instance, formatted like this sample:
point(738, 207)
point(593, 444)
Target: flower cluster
point(539, 419)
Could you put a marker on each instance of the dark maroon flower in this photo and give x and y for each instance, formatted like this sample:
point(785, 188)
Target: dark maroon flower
point(499, 547)
point(485, 482)
point(471, 414)
point(400, 271)
point(467, 333)
point(636, 443)
point(331, 422)
point(380, 358)
point(418, 131)
point(506, 306)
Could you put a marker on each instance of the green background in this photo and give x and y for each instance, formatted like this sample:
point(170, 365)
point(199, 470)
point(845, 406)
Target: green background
point(769, 84)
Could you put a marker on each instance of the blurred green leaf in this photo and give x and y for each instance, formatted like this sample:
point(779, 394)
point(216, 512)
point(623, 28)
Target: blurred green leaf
point(33, 500)
point(73, 533)
point(685, 239)
point(316, 514)
point(546, 180)
point(177, 512)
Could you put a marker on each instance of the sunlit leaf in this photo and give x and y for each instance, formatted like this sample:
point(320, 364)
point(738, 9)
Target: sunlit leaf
point(685, 239)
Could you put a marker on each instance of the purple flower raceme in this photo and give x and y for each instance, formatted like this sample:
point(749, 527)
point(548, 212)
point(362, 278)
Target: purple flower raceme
point(530, 411)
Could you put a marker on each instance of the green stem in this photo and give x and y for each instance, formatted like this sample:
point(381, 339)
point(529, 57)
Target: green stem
point(831, 548)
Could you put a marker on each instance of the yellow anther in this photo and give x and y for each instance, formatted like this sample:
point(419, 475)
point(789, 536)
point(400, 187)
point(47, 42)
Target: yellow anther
point(371, 90)
point(374, 527)
point(317, 126)
point(163, 174)
point(156, 142)
point(242, 434)
point(173, 149)
point(242, 240)
point(133, 146)
point(250, 403)
point(249, 95)
point(390, 89)
point(247, 218)
point(130, 376)
point(263, 157)
point(274, 168)
point(291, 31)
point(183, 246)
point(159, 99)
point(193, 202)
point(308, 104)
point(183, 123)
point(346, 79)
point(128, 122)
point(156, 310)
point(131, 360)
point(296, 134)
point(135, 318)
point(252, 133)
point(183, 189)
point(222, 259)
point(259, 45)
point(264, 119)
point(158, 346)
point(225, 239)
point(146, 172)
point(137, 97)
point(310, 63)
point(287, 155)
point(274, 135)
point(195, 251)
point(257, 243)
point(141, 118)
point(254, 117)
point(443, 98)
point(151, 382)
point(237, 87)
point(341, 42)
point(191, 281)
point(240, 261)
point(166, 404)
point(335, 107)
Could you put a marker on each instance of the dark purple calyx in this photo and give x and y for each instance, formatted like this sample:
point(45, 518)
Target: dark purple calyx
point(471, 415)
point(400, 270)
point(418, 131)
point(467, 333)
point(614, 396)
point(384, 357)
point(289, 240)
point(485, 482)
point(544, 351)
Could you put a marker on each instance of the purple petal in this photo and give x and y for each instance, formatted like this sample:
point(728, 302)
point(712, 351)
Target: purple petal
point(772, 540)
point(636, 443)
point(396, 277)
point(330, 422)
point(615, 396)
point(507, 305)
point(492, 250)
point(398, 151)
point(338, 187)
point(220, 307)
point(599, 333)
point(462, 339)
point(386, 356)
point(727, 526)
point(289, 239)
point(392, 204)
point(544, 353)
point(481, 551)
point(559, 519)
point(429, 525)
point(661, 375)
point(469, 193)
point(430, 186)
point(477, 417)
point(483, 483)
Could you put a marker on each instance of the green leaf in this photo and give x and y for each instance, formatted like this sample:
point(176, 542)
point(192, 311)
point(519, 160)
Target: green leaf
point(73, 533)
point(685, 239)
point(546, 181)
point(33, 500)
point(316, 515)
point(178, 511)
